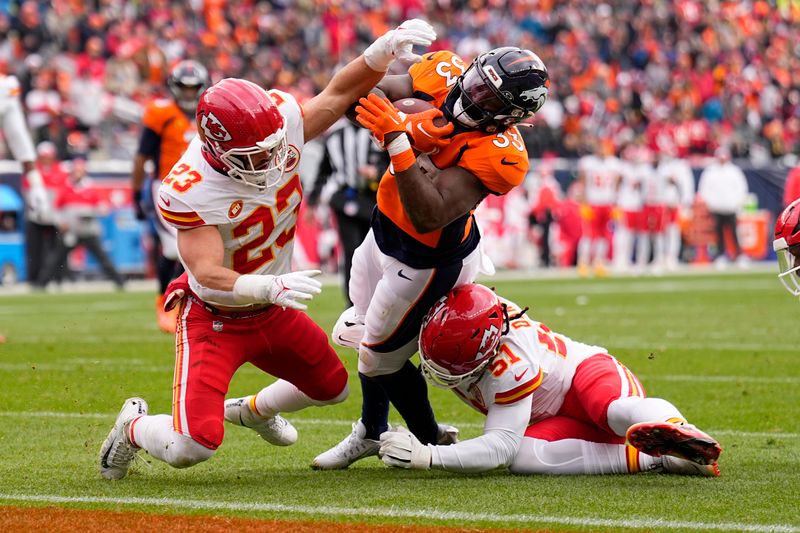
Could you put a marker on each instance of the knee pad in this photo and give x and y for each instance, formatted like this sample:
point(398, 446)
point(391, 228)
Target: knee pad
point(349, 329)
point(373, 364)
point(184, 452)
point(529, 459)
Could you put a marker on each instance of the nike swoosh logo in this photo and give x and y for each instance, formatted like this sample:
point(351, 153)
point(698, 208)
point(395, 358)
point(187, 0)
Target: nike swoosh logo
point(349, 325)
point(400, 273)
point(518, 377)
point(165, 200)
point(504, 161)
point(420, 128)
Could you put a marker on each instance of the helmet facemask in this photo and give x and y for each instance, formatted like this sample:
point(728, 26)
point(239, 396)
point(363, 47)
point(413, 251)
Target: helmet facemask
point(441, 378)
point(789, 265)
point(259, 166)
point(476, 104)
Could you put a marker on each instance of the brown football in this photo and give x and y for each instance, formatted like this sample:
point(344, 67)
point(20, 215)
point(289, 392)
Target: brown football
point(415, 105)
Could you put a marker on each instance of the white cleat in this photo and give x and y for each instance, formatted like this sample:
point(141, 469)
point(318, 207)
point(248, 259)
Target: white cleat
point(676, 465)
point(117, 451)
point(276, 430)
point(347, 452)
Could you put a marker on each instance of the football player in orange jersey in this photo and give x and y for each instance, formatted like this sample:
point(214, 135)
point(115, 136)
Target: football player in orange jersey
point(424, 240)
point(168, 126)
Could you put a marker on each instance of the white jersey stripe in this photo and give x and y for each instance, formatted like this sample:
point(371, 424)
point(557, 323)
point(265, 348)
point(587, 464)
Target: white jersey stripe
point(180, 408)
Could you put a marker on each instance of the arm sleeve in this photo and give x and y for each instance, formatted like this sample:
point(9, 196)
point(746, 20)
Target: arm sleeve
point(16, 133)
point(503, 432)
point(149, 143)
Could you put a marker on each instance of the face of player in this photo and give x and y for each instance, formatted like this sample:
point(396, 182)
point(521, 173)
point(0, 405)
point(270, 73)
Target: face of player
point(187, 96)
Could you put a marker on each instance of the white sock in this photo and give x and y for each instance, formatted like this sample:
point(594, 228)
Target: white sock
point(659, 249)
point(155, 434)
point(283, 397)
point(584, 250)
point(600, 251)
point(576, 456)
point(673, 245)
point(622, 247)
point(625, 412)
point(642, 249)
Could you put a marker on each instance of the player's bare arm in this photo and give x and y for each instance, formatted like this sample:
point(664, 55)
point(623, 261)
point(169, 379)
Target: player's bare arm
point(202, 252)
point(433, 198)
point(137, 173)
point(359, 76)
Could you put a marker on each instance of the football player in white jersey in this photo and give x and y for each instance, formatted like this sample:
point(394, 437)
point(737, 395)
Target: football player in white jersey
point(234, 197)
point(679, 179)
point(599, 175)
point(629, 211)
point(552, 405)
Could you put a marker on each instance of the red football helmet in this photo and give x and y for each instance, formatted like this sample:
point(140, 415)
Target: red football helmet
point(787, 246)
point(460, 335)
point(243, 132)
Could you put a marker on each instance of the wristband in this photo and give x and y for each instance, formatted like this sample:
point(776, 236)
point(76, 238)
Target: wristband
point(401, 153)
point(250, 289)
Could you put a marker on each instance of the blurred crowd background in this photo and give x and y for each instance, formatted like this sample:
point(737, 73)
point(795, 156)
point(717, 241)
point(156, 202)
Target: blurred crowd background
point(638, 81)
point(682, 75)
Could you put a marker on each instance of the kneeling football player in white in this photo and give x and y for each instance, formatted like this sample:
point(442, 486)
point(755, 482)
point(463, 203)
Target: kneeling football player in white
point(552, 405)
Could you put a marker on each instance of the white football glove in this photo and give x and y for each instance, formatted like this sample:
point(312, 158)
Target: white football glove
point(401, 449)
point(285, 290)
point(398, 44)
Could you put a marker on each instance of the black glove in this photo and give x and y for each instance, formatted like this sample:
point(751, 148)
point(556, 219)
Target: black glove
point(138, 205)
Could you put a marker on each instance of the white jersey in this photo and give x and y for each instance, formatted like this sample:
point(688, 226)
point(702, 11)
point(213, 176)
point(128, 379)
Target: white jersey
point(601, 178)
point(682, 192)
point(12, 120)
point(531, 360)
point(629, 197)
point(653, 185)
point(257, 227)
point(526, 382)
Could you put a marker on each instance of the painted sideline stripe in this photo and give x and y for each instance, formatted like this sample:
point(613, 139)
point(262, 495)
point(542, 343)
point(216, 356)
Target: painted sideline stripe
point(344, 423)
point(649, 523)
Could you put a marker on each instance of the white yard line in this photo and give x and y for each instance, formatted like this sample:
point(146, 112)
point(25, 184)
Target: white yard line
point(461, 517)
point(346, 423)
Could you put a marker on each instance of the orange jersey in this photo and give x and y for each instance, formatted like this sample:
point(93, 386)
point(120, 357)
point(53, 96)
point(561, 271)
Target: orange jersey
point(498, 160)
point(167, 134)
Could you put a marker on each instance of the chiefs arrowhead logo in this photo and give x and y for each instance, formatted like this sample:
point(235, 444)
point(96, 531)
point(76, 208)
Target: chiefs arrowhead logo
point(235, 209)
point(292, 158)
point(214, 129)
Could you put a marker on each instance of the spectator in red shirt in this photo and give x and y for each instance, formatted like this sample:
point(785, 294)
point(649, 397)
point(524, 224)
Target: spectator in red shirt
point(77, 208)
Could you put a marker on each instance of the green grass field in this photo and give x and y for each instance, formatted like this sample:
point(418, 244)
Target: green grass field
point(724, 349)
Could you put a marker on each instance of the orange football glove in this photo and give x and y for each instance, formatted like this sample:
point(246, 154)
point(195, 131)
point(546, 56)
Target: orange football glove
point(380, 117)
point(426, 136)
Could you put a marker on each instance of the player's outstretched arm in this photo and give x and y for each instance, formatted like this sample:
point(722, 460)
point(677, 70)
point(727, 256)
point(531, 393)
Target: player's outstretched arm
point(202, 252)
point(497, 447)
point(359, 76)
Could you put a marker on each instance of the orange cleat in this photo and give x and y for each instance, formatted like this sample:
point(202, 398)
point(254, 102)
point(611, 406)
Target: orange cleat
point(167, 320)
point(680, 440)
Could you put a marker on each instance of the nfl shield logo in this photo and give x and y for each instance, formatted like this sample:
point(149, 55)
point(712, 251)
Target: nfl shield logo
point(216, 326)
